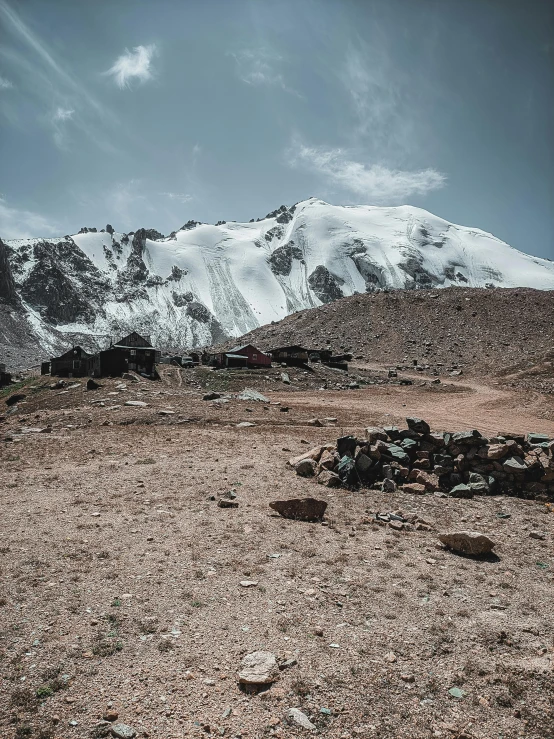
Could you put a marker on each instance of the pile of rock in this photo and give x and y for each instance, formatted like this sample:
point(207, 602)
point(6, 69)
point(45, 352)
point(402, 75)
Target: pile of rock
point(460, 464)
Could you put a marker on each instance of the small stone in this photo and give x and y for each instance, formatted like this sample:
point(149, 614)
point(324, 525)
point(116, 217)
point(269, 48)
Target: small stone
point(225, 503)
point(245, 425)
point(258, 668)
point(296, 716)
point(122, 731)
point(537, 535)
point(315, 422)
point(211, 396)
point(248, 583)
point(390, 657)
point(110, 715)
point(136, 404)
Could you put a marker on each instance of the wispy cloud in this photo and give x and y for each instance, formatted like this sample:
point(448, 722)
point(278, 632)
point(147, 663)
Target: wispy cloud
point(133, 65)
point(372, 183)
point(260, 67)
point(179, 197)
point(59, 119)
point(47, 57)
point(5, 84)
point(17, 223)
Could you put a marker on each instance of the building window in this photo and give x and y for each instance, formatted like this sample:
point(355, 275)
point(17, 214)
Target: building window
point(133, 352)
point(76, 364)
point(254, 356)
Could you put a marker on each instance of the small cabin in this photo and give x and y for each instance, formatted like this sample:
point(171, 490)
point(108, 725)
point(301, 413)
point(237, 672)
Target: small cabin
point(133, 352)
point(292, 355)
point(243, 356)
point(74, 363)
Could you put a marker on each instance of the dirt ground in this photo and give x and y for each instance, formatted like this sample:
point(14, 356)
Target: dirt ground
point(120, 575)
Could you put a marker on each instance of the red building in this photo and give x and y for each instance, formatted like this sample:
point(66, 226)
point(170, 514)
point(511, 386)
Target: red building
point(243, 356)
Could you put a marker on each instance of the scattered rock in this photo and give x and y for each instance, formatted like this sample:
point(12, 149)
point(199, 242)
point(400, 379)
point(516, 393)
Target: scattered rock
point(244, 425)
point(122, 731)
point(225, 503)
point(259, 668)
point(300, 509)
point(16, 398)
point(110, 715)
point(305, 468)
point(296, 716)
point(537, 535)
point(136, 403)
point(467, 542)
point(211, 396)
point(253, 395)
point(314, 422)
point(92, 384)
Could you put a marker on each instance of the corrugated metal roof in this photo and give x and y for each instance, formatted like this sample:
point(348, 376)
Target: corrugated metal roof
point(236, 356)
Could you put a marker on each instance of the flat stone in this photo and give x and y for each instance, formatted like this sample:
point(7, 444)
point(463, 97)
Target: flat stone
point(211, 396)
point(537, 438)
point(461, 491)
point(166, 413)
point(259, 668)
point(248, 583)
point(136, 404)
point(296, 716)
point(415, 488)
point(122, 731)
point(515, 465)
point(467, 542)
point(245, 425)
point(253, 395)
point(300, 509)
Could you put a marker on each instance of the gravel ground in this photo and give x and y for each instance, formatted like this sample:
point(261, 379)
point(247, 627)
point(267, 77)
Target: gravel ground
point(120, 575)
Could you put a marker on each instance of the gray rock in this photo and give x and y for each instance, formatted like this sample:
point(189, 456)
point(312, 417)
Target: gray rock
point(296, 716)
point(461, 491)
point(389, 486)
point(306, 467)
point(300, 509)
point(285, 378)
point(514, 465)
point(467, 542)
point(537, 438)
point(211, 396)
point(254, 395)
point(244, 425)
point(122, 731)
point(136, 403)
point(478, 484)
point(259, 668)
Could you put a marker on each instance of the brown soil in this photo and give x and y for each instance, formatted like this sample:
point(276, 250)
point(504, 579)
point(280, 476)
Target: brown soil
point(120, 576)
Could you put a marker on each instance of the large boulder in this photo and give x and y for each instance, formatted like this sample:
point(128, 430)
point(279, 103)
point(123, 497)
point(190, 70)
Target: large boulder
point(306, 467)
point(473, 543)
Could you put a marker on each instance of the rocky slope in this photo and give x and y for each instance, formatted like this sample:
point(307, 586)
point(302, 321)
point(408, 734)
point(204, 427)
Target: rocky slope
point(204, 283)
point(501, 332)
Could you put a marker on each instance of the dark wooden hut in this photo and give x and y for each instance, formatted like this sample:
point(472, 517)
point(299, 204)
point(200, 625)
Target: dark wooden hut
point(73, 363)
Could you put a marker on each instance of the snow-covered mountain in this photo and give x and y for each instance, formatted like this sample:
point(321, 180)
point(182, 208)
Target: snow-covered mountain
point(204, 283)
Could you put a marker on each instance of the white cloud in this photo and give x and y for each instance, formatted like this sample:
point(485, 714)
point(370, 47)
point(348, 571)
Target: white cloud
point(373, 182)
point(135, 64)
point(24, 224)
point(259, 67)
point(63, 114)
point(5, 84)
point(59, 119)
point(180, 197)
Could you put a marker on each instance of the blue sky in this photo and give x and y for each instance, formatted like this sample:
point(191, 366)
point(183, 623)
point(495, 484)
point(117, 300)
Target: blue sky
point(142, 113)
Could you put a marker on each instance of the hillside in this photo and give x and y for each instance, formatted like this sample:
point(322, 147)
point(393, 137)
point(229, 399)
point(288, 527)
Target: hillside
point(478, 331)
point(205, 283)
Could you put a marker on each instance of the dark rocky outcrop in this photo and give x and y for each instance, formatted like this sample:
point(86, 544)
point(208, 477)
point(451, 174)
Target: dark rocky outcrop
point(282, 258)
point(325, 285)
point(8, 292)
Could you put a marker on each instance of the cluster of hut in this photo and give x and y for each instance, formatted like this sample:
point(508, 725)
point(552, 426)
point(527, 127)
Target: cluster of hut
point(136, 353)
point(131, 353)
